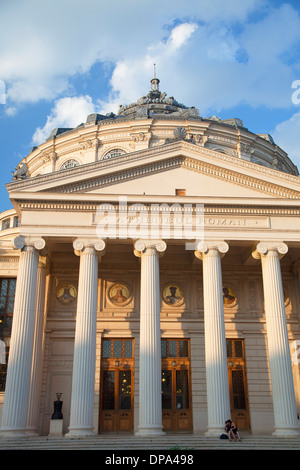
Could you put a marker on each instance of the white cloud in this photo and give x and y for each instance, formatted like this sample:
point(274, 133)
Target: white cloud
point(68, 113)
point(208, 54)
point(287, 136)
point(52, 42)
point(180, 34)
point(213, 67)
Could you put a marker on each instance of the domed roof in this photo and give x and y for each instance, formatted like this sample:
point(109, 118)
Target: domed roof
point(153, 120)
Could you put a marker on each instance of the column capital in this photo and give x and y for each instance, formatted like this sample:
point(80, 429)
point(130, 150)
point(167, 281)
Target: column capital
point(81, 244)
point(142, 246)
point(264, 248)
point(204, 247)
point(20, 242)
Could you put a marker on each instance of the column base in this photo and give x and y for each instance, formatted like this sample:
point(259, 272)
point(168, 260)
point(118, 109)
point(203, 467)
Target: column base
point(215, 431)
point(150, 431)
point(13, 433)
point(287, 432)
point(80, 432)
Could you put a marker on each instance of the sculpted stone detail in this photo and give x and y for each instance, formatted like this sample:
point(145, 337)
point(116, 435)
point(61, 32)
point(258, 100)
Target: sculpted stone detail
point(141, 246)
point(263, 248)
point(80, 245)
point(20, 242)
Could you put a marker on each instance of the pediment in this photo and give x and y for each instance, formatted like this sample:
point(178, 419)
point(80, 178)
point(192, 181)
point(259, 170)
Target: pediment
point(161, 170)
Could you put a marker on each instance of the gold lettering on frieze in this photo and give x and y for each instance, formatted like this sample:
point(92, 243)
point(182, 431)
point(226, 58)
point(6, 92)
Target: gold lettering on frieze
point(216, 221)
point(238, 222)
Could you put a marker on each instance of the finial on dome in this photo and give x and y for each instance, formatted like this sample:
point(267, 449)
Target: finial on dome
point(155, 81)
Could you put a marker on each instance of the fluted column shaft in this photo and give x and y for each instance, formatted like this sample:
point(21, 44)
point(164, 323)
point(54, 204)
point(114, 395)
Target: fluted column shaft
point(83, 381)
point(21, 345)
point(150, 402)
point(284, 403)
point(218, 401)
point(37, 361)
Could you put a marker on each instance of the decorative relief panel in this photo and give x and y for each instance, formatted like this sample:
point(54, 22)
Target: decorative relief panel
point(119, 294)
point(173, 295)
point(66, 293)
point(116, 298)
point(229, 296)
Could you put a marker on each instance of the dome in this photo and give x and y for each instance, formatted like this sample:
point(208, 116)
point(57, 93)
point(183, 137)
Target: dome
point(153, 120)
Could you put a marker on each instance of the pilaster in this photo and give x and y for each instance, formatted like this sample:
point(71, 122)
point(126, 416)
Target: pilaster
point(21, 347)
point(34, 397)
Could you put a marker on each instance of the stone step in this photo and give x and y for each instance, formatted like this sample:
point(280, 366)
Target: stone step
point(164, 443)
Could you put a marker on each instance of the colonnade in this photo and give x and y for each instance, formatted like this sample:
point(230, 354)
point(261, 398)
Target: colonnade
point(27, 333)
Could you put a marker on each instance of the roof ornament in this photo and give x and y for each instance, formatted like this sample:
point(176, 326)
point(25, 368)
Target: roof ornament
point(155, 82)
point(21, 172)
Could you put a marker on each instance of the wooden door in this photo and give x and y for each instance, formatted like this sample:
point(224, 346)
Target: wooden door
point(238, 384)
point(116, 406)
point(176, 390)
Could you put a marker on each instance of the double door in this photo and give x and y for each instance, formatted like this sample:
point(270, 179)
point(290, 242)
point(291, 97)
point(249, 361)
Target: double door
point(116, 406)
point(238, 384)
point(176, 390)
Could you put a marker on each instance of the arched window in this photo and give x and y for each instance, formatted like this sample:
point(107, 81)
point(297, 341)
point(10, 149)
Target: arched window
point(69, 164)
point(113, 153)
point(5, 224)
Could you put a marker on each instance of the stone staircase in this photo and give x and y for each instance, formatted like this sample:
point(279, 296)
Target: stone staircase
point(177, 442)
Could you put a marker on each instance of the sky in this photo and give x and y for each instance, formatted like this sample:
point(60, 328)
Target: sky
point(62, 60)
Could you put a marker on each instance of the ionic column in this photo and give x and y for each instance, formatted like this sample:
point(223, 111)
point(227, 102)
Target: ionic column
point(284, 403)
point(38, 350)
point(83, 382)
point(150, 408)
point(21, 346)
point(218, 401)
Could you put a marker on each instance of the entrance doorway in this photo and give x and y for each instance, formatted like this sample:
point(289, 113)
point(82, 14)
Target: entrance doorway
point(238, 383)
point(176, 389)
point(116, 404)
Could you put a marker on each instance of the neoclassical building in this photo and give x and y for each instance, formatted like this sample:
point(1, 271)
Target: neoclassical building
point(150, 278)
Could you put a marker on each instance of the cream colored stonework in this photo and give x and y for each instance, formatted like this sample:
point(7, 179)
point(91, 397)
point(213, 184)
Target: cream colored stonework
point(250, 191)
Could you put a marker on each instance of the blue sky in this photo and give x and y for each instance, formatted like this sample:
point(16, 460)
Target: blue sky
point(62, 60)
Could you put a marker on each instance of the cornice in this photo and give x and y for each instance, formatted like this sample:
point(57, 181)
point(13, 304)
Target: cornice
point(209, 208)
point(165, 157)
point(177, 162)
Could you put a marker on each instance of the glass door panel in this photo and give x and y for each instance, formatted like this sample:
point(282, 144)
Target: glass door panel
point(166, 389)
point(108, 402)
point(182, 389)
point(124, 390)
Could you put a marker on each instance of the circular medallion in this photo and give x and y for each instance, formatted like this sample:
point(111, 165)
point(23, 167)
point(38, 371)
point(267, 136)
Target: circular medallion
point(119, 294)
point(229, 296)
point(173, 295)
point(66, 293)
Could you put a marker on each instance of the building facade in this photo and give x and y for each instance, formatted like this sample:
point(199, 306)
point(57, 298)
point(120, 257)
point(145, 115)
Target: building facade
point(150, 278)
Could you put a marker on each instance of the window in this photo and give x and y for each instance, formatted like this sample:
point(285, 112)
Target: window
point(7, 297)
point(174, 348)
point(117, 348)
point(69, 164)
point(5, 224)
point(180, 192)
point(113, 153)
